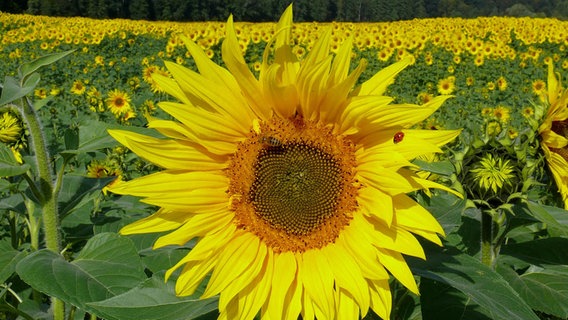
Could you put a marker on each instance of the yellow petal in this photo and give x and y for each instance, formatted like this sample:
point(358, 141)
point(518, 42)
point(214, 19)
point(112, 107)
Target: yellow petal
point(192, 274)
point(171, 87)
point(421, 184)
point(376, 203)
point(239, 287)
point(211, 96)
point(212, 71)
point(396, 239)
point(317, 278)
point(336, 96)
point(294, 297)
point(413, 144)
point(346, 306)
point(171, 181)
point(162, 220)
point(237, 256)
point(357, 241)
point(386, 180)
point(412, 216)
point(195, 200)
point(284, 28)
point(197, 225)
point(554, 140)
point(236, 64)
point(318, 53)
point(381, 298)
point(401, 115)
point(559, 168)
point(378, 83)
point(251, 301)
point(205, 250)
point(386, 156)
point(167, 153)
point(341, 62)
point(280, 91)
point(553, 85)
point(347, 274)
point(356, 109)
point(282, 279)
point(312, 85)
point(396, 265)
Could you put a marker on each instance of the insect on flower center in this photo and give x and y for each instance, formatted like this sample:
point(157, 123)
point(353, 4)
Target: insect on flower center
point(296, 187)
point(292, 184)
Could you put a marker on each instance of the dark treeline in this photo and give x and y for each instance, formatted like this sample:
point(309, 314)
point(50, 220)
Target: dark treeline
point(270, 10)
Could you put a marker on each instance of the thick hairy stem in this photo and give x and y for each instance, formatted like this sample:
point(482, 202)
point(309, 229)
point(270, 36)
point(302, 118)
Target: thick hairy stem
point(45, 186)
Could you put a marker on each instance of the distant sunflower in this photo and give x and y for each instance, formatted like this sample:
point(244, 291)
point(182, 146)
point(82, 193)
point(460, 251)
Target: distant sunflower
point(118, 102)
point(539, 87)
point(554, 132)
point(78, 87)
point(502, 113)
point(295, 183)
point(446, 86)
point(502, 83)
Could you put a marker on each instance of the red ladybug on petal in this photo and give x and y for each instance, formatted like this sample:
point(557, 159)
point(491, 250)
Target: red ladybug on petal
point(398, 137)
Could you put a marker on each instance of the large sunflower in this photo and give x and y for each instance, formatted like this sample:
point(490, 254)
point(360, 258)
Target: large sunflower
point(554, 133)
point(294, 183)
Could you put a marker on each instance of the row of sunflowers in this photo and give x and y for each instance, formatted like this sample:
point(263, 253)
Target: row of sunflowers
point(283, 170)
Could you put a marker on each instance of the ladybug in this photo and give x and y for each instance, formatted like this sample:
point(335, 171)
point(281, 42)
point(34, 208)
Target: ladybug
point(398, 137)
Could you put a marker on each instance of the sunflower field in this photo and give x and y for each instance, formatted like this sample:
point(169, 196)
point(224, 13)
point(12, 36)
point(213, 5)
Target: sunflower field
point(402, 170)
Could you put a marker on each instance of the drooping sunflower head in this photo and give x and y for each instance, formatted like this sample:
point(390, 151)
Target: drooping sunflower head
point(554, 132)
point(295, 182)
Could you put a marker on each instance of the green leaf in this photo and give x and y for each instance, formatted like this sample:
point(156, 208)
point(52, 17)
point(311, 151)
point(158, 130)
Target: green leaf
point(71, 138)
point(107, 266)
point(154, 299)
point(441, 301)
point(13, 91)
point(544, 289)
point(28, 68)
point(77, 190)
point(444, 168)
point(9, 166)
point(549, 251)
point(9, 257)
point(547, 215)
point(475, 280)
point(448, 209)
point(38, 104)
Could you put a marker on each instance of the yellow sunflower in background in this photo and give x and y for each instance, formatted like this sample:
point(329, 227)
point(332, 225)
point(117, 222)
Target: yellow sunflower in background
point(118, 102)
point(446, 85)
point(295, 182)
point(554, 133)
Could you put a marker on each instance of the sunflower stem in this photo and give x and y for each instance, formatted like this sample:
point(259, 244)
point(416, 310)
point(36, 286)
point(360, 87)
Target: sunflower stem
point(47, 199)
point(487, 239)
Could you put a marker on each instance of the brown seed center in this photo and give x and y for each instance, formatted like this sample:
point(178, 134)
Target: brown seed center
point(296, 187)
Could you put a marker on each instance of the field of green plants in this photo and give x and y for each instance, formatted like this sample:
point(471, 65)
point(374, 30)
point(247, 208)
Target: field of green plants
point(505, 250)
